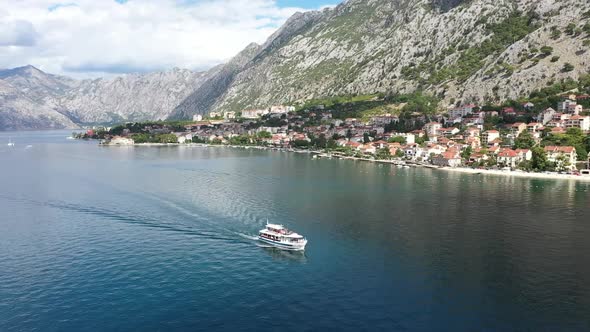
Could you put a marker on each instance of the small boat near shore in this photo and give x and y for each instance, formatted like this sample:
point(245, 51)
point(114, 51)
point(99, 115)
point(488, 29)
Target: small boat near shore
point(281, 237)
point(10, 142)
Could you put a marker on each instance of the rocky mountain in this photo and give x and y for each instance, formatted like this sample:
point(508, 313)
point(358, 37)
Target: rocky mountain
point(219, 80)
point(36, 84)
point(32, 99)
point(133, 97)
point(18, 110)
point(458, 50)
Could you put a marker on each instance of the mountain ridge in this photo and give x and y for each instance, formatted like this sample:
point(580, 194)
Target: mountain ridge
point(362, 47)
point(459, 51)
point(33, 99)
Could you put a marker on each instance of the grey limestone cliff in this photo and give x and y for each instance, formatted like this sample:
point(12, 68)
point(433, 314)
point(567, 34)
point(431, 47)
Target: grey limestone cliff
point(472, 50)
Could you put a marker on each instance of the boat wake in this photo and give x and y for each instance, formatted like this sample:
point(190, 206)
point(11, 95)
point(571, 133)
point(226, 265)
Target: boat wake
point(123, 217)
point(248, 236)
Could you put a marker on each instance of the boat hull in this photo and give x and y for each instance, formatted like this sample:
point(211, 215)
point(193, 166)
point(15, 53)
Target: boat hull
point(281, 245)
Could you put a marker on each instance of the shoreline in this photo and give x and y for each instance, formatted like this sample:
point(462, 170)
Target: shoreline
point(517, 174)
point(321, 154)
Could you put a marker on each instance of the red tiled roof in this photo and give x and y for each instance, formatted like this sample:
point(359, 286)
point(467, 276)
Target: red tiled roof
point(508, 153)
point(562, 149)
point(449, 155)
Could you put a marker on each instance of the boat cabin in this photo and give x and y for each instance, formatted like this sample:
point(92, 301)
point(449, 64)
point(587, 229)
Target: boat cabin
point(281, 234)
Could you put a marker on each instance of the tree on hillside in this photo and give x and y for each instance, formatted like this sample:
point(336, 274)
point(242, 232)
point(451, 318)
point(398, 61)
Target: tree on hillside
point(573, 137)
point(320, 141)
point(397, 139)
point(383, 154)
point(332, 144)
point(168, 138)
point(524, 141)
point(567, 67)
point(539, 161)
point(561, 163)
point(546, 50)
point(465, 154)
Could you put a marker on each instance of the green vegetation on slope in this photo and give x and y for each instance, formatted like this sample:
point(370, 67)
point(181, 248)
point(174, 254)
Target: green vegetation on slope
point(373, 104)
point(471, 59)
point(550, 95)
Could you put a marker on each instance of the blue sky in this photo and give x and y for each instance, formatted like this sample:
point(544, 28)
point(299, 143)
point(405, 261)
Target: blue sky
point(92, 38)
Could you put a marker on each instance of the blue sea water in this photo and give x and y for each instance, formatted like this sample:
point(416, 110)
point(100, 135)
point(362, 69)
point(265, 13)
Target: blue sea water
point(160, 239)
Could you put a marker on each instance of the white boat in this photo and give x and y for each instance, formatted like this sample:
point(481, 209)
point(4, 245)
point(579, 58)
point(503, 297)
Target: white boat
point(10, 143)
point(280, 237)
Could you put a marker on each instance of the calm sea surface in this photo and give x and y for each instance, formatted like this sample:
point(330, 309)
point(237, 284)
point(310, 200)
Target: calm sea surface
point(159, 239)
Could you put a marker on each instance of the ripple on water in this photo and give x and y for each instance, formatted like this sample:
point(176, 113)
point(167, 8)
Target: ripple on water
point(153, 239)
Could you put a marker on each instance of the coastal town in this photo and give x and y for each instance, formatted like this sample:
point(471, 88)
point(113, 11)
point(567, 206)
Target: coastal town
point(480, 137)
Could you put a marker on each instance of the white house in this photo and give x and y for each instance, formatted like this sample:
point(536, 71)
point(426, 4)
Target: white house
point(447, 132)
point(569, 152)
point(578, 121)
point(385, 119)
point(508, 157)
point(546, 116)
point(253, 114)
point(517, 128)
point(564, 105)
point(183, 137)
point(524, 154)
point(118, 140)
point(462, 111)
point(281, 109)
point(410, 138)
point(488, 136)
point(432, 128)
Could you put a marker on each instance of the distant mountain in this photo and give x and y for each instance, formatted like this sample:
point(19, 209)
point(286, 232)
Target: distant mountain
point(36, 84)
point(202, 99)
point(134, 97)
point(19, 109)
point(458, 50)
point(32, 99)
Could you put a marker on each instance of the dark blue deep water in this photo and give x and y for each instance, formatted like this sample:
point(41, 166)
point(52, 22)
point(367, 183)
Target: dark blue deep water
point(157, 239)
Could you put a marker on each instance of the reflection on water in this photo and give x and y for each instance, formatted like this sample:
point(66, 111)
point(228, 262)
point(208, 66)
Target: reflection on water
point(285, 255)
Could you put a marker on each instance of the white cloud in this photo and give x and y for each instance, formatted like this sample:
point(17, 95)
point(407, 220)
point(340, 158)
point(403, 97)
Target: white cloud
point(102, 37)
point(17, 33)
